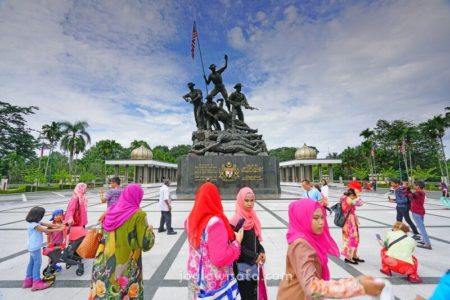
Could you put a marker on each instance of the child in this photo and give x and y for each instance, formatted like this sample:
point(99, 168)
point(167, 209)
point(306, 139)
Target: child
point(56, 238)
point(35, 239)
point(397, 253)
point(418, 212)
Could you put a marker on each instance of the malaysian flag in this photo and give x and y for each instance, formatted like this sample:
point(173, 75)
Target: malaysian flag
point(194, 38)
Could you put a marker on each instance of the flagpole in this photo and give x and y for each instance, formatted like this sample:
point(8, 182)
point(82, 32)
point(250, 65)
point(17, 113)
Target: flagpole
point(201, 56)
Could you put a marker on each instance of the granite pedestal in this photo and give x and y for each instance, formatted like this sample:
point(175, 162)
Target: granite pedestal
point(229, 173)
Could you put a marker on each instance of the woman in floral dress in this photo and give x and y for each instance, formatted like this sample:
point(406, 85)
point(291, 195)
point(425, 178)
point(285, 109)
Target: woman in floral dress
point(117, 270)
point(350, 230)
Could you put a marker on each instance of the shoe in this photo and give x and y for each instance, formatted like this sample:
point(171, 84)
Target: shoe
point(40, 285)
point(27, 283)
point(386, 272)
point(357, 259)
point(351, 261)
point(416, 237)
point(415, 279)
point(171, 232)
point(161, 230)
point(424, 246)
point(58, 268)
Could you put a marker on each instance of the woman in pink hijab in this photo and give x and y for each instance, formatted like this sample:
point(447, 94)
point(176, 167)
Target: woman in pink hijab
point(76, 213)
point(117, 270)
point(307, 273)
point(252, 252)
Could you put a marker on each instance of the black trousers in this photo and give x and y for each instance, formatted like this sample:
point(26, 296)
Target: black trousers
point(166, 217)
point(247, 289)
point(403, 212)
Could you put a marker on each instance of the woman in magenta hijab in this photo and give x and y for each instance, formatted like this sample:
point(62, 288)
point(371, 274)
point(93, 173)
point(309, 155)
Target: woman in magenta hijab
point(117, 270)
point(252, 252)
point(307, 273)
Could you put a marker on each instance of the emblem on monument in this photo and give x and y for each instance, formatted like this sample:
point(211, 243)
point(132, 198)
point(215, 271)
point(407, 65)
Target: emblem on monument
point(229, 172)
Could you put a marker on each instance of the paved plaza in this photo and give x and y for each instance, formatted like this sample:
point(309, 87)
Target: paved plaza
point(165, 264)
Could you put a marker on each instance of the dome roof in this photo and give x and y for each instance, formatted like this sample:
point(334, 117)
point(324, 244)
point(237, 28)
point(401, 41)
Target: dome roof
point(141, 152)
point(305, 152)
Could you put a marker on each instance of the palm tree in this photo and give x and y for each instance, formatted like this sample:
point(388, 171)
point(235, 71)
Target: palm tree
point(368, 146)
point(52, 132)
point(435, 129)
point(74, 139)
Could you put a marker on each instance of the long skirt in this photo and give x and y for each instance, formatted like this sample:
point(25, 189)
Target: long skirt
point(392, 264)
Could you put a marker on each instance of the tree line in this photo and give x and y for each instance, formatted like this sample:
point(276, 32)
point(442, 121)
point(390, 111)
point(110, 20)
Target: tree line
point(397, 148)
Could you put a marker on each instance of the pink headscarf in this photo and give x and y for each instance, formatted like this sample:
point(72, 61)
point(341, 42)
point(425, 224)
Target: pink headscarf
point(300, 217)
point(80, 193)
point(127, 204)
point(251, 219)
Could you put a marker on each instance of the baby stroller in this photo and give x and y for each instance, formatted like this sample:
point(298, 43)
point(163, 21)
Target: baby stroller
point(65, 252)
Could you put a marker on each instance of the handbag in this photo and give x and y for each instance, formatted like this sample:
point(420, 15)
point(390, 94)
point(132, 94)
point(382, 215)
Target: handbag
point(262, 287)
point(89, 245)
point(339, 217)
point(228, 291)
point(246, 271)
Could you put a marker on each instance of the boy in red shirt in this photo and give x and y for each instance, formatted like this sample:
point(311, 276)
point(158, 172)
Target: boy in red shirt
point(418, 212)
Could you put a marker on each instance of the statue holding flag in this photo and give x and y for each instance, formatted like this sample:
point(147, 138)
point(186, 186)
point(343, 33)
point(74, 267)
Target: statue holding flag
point(216, 78)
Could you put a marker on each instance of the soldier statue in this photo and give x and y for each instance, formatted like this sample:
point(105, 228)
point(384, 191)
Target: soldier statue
point(216, 78)
point(195, 96)
point(237, 100)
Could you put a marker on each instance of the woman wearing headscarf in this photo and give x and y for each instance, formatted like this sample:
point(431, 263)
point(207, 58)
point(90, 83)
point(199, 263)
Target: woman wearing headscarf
point(252, 252)
point(117, 270)
point(307, 273)
point(350, 231)
point(212, 242)
point(76, 213)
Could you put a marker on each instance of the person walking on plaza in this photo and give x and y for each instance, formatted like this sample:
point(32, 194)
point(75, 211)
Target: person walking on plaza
point(418, 212)
point(213, 245)
point(76, 212)
point(113, 194)
point(307, 273)
point(403, 206)
point(252, 252)
point(324, 189)
point(350, 230)
point(310, 191)
point(117, 270)
point(165, 204)
point(35, 229)
point(397, 253)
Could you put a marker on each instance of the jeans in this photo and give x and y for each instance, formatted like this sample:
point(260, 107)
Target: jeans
point(403, 212)
point(34, 265)
point(166, 217)
point(423, 232)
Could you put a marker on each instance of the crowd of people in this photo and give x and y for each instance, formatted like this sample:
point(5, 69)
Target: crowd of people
point(227, 254)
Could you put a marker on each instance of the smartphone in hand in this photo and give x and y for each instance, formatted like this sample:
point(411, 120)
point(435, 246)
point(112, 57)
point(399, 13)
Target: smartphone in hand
point(239, 224)
point(378, 237)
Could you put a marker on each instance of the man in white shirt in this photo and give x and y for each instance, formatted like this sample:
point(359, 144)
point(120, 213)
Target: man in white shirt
point(165, 203)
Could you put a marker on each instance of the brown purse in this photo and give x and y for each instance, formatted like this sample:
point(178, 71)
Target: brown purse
point(89, 245)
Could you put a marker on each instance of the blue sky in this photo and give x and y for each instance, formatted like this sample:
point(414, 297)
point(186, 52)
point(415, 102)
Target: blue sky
point(320, 71)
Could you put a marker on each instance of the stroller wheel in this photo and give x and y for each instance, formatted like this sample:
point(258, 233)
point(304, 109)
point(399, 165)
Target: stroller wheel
point(44, 272)
point(79, 272)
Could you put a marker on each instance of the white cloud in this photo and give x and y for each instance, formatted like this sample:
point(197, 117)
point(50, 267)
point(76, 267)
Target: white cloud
point(366, 63)
point(236, 38)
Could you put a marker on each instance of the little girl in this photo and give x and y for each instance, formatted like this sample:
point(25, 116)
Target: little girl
point(35, 239)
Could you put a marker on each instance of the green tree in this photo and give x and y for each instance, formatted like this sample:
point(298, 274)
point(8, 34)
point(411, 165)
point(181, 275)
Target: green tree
point(62, 176)
point(52, 132)
point(75, 138)
point(162, 153)
point(87, 177)
point(137, 143)
point(180, 150)
point(14, 133)
point(283, 153)
point(424, 174)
